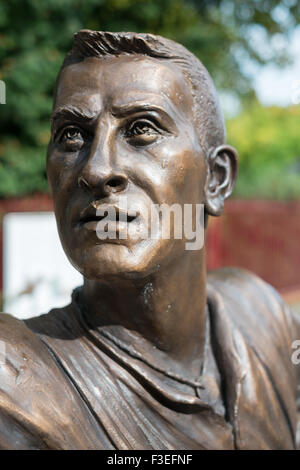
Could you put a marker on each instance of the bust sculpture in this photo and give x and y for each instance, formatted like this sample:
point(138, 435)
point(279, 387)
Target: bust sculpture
point(152, 352)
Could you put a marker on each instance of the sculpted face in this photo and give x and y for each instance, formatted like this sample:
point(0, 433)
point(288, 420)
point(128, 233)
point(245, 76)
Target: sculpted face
point(123, 135)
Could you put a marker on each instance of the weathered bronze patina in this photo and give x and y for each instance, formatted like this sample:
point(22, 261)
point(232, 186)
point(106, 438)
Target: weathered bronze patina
point(152, 353)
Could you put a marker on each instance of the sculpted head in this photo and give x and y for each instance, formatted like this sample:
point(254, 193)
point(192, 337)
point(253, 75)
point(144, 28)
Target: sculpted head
point(135, 122)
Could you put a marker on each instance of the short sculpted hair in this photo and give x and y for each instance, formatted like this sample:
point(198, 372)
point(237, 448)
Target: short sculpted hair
point(208, 116)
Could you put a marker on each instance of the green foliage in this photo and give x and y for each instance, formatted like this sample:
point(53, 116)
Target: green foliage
point(35, 35)
point(268, 143)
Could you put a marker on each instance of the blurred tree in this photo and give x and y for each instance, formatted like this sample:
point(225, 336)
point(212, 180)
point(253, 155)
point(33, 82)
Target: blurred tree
point(35, 35)
point(269, 149)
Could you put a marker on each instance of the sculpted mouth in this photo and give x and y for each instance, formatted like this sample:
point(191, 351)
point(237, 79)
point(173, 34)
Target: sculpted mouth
point(110, 212)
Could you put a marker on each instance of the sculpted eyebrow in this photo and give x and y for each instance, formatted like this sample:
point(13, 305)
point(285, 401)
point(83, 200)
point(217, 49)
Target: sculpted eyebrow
point(124, 110)
point(72, 112)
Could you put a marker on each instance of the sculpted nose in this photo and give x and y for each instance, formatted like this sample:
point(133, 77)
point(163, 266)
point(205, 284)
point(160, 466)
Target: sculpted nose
point(99, 175)
point(115, 183)
point(103, 185)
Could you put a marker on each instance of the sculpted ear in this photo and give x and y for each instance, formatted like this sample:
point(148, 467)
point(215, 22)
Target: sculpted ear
point(222, 174)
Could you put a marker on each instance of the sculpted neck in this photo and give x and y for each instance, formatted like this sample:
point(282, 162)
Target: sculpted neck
point(167, 308)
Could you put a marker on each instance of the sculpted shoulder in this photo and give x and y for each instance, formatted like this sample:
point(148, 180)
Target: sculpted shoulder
point(252, 301)
point(257, 310)
point(39, 406)
point(18, 343)
point(25, 360)
point(28, 375)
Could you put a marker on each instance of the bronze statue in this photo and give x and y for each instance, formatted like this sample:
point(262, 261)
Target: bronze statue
point(152, 353)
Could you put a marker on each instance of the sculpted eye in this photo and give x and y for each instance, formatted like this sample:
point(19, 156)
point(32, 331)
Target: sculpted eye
point(71, 133)
point(142, 127)
point(71, 138)
point(142, 132)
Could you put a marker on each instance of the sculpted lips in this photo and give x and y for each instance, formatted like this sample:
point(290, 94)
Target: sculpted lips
point(90, 216)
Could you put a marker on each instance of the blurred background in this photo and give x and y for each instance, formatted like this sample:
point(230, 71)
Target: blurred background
point(251, 49)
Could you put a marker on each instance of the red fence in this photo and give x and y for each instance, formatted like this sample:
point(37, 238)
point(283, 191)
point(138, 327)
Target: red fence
point(262, 236)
